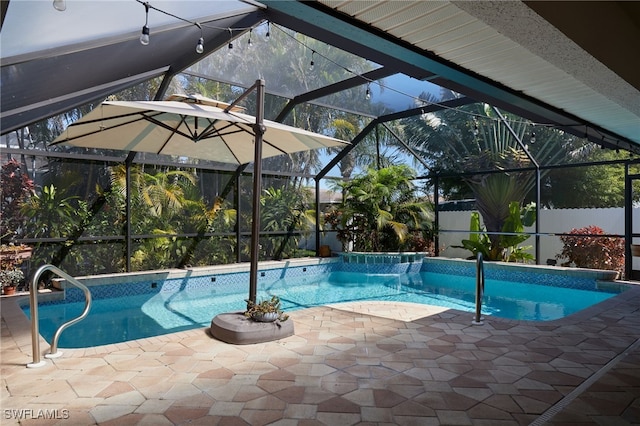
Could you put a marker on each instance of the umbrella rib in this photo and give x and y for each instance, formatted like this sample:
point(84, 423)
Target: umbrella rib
point(240, 127)
point(211, 132)
point(173, 129)
point(136, 115)
point(266, 142)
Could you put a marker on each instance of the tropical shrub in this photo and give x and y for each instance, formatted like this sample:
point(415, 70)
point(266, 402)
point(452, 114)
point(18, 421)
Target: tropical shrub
point(380, 211)
point(284, 211)
point(503, 247)
point(584, 248)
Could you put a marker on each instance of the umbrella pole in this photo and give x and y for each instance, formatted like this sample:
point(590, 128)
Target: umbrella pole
point(259, 130)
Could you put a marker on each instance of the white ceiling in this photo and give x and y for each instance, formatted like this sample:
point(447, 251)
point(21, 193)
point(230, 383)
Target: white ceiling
point(509, 43)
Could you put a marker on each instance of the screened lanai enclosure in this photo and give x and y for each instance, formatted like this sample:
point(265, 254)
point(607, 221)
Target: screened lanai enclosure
point(465, 134)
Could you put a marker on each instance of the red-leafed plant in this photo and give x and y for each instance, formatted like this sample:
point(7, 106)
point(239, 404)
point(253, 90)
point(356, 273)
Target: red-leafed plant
point(15, 189)
point(585, 248)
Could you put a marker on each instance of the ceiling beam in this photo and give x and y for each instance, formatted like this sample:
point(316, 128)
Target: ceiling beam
point(333, 88)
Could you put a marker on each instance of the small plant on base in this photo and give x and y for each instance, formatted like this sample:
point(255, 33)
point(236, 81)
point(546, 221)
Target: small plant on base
point(267, 310)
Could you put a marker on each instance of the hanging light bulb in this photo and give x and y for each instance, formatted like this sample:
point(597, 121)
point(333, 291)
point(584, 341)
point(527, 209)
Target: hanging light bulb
point(144, 37)
point(268, 34)
point(311, 64)
point(476, 131)
point(367, 94)
point(533, 137)
point(200, 46)
point(249, 44)
point(230, 37)
point(60, 5)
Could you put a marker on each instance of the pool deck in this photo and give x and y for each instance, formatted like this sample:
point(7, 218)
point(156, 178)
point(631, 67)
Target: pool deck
point(358, 363)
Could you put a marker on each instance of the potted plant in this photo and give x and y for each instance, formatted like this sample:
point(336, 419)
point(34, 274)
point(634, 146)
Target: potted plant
point(10, 279)
point(267, 310)
point(11, 257)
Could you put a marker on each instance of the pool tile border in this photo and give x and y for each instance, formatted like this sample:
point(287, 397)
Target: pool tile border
point(234, 278)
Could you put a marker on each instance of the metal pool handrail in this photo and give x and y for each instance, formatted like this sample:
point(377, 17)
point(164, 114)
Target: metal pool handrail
point(479, 289)
point(33, 301)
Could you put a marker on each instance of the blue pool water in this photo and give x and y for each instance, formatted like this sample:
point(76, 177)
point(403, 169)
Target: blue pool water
point(172, 308)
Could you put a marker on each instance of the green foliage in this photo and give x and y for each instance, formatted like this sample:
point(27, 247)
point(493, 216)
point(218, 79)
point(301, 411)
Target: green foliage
point(51, 213)
point(284, 209)
point(600, 186)
point(166, 203)
point(584, 248)
point(379, 211)
point(504, 247)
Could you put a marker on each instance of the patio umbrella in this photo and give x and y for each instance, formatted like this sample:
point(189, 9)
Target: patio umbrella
point(186, 129)
point(197, 128)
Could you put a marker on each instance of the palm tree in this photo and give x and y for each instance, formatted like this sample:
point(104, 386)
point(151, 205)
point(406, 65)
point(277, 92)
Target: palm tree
point(476, 138)
point(284, 209)
point(379, 209)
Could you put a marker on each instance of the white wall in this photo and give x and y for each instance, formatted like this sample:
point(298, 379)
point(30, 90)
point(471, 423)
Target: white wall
point(554, 221)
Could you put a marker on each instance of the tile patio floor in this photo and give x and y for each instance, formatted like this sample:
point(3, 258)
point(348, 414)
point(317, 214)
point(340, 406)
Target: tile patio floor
point(364, 363)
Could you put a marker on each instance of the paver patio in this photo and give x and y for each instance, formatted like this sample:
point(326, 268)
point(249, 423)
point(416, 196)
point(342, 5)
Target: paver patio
point(355, 363)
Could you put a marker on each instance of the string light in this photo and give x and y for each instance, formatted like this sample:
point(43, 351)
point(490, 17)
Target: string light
point(476, 131)
point(200, 45)
point(60, 5)
point(311, 64)
point(533, 135)
point(144, 37)
point(249, 44)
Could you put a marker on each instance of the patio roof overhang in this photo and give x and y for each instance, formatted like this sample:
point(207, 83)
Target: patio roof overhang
point(518, 56)
point(543, 61)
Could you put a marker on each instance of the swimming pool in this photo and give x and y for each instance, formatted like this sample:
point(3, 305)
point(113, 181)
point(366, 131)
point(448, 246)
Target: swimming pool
point(151, 308)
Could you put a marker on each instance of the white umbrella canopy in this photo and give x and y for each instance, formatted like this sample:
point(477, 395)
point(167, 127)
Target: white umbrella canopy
point(188, 129)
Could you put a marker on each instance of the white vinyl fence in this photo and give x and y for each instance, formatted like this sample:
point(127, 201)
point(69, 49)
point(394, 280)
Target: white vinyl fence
point(554, 221)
